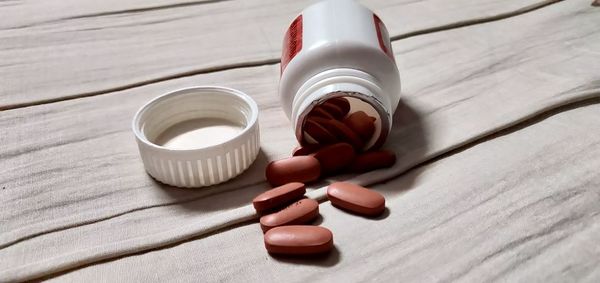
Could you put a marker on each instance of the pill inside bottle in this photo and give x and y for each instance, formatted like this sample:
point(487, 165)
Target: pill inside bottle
point(198, 133)
point(343, 119)
point(348, 55)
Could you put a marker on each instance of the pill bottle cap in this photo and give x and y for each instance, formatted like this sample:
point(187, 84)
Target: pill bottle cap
point(198, 136)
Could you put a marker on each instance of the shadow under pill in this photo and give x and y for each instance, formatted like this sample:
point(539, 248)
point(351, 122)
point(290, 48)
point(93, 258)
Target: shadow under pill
point(409, 139)
point(326, 260)
point(318, 221)
point(382, 216)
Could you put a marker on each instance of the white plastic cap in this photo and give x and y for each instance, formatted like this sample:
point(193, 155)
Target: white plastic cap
point(201, 165)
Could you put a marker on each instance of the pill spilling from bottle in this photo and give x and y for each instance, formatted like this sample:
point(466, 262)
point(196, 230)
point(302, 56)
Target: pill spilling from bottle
point(356, 199)
point(327, 125)
point(339, 87)
point(299, 240)
point(300, 212)
point(278, 197)
point(326, 161)
point(288, 231)
point(340, 138)
point(303, 169)
point(339, 79)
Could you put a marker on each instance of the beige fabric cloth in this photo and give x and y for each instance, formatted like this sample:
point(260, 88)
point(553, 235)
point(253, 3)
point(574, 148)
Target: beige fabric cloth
point(524, 205)
point(449, 101)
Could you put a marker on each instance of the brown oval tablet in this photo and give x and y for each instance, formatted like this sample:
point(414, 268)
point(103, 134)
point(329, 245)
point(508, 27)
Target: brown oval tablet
point(302, 169)
point(340, 102)
point(299, 240)
point(372, 160)
point(355, 198)
point(278, 197)
point(304, 149)
point(333, 158)
point(333, 109)
point(318, 132)
point(342, 132)
point(320, 112)
point(300, 212)
point(361, 123)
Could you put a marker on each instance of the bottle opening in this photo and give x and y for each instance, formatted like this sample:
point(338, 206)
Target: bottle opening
point(343, 118)
point(198, 133)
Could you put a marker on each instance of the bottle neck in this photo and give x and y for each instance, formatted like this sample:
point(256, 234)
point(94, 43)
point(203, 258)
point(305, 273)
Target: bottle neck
point(349, 83)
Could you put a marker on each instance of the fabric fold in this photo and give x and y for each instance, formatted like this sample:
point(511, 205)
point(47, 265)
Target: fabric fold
point(485, 86)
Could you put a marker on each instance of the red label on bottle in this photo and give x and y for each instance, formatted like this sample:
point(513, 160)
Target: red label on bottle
point(292, 42)
point(383, 37)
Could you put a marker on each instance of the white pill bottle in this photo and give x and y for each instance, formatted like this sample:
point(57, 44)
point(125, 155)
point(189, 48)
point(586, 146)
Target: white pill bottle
point(339, 48)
